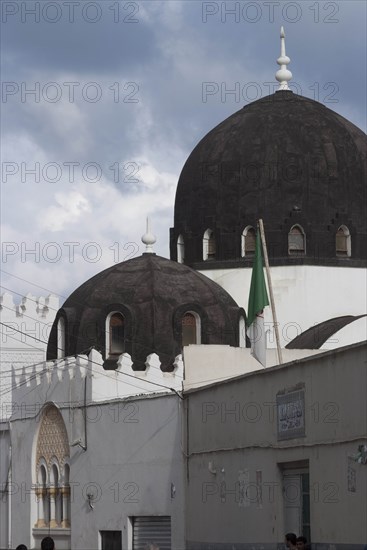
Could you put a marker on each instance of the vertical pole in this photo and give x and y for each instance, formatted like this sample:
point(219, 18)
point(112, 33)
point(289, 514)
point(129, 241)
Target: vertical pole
point(9, 485)
point(266, 259)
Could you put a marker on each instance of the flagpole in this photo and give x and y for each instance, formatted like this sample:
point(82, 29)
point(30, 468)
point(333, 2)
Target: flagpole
point(272, 303)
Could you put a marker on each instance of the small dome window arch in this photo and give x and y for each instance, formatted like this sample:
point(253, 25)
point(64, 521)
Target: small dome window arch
point(343, 242)
point(180, 249)
point(209, 245)
point(115, 334)
point(190, 328)
point(248, 241)
point(296, 241)
point(61, 338)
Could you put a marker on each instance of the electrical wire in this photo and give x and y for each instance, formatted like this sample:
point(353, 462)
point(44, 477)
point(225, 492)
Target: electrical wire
point(94, 362)
point(206, 381)
point(30, 283)
point(210, 380)
point(28, 298)
point(48, 324)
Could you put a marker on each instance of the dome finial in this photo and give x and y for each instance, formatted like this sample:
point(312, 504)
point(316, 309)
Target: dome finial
point(283, 75)
point(148, 239)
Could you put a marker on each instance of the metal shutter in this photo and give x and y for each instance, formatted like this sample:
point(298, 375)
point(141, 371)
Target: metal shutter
point(154, 530)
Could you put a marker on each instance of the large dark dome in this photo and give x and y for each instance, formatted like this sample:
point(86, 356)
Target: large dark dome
point(152, 294)
point(284, 158)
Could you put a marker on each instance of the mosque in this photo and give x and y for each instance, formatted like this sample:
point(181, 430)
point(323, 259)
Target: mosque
point(149, 424)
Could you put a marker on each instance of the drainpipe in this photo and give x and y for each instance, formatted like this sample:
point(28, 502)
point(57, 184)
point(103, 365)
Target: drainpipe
point(9, 480)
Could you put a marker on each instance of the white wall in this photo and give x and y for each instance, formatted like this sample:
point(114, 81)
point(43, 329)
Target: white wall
point(233, 430)
point(31, 318)
point(305, 296)
point(133, 448)
point(4, 478)
point(205, 365)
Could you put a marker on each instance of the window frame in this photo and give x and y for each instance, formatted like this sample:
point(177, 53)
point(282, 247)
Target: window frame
point(245, 232)
point(348, 248)
point(294, 251)
point(197, 318)
point(61, 338)
point(207, 237)
point(108, 342)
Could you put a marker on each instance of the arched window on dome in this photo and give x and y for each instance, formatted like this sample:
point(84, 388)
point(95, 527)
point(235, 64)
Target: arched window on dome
point(209, 245)
point(180, 249)
point(191, 329)
point(115, 334)
point(248, 241)
point(61, 338)
point(343, 242)
point(296, 241)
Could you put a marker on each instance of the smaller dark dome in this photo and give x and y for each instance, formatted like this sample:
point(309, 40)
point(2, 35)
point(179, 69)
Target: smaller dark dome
point(152, 294)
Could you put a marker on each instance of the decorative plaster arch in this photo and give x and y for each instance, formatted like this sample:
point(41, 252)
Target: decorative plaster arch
point(51, 454)
point(52, 438)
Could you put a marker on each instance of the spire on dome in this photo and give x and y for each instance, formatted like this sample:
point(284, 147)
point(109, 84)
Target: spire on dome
point(283, 75)
point(149, 239)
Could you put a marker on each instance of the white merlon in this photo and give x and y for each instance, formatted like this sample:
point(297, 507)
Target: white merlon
point(45, 379)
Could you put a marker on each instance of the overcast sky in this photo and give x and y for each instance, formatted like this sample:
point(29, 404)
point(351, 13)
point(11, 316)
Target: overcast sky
point(102, 102)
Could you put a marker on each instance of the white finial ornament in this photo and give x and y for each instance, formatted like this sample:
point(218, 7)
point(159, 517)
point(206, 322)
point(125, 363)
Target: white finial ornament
point(283, 75)
point(148, 239)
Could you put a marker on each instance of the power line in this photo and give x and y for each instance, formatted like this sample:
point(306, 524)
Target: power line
point(28, 298)
point(20, 341)
point(208, 380)
point(30, 283)
point(68, 333)
point(93, 362)
point(104, 332)
point(44, 342)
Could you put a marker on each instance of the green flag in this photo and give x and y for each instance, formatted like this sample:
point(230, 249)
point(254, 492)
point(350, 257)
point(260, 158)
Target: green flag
point(258, 297)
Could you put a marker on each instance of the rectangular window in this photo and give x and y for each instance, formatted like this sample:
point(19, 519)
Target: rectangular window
point(111, 540)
